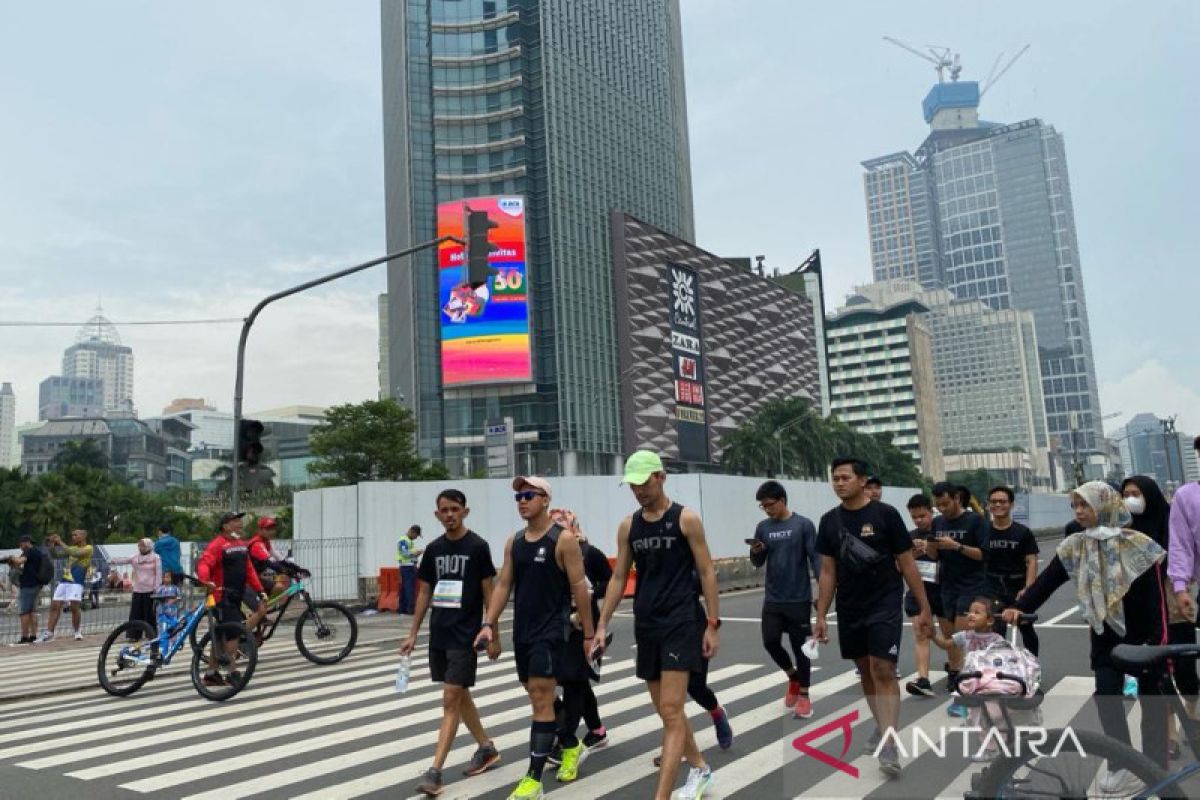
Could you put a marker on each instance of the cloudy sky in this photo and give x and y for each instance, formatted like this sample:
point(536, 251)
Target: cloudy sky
point(179, 161)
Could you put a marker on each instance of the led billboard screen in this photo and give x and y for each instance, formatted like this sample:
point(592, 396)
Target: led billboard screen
point(485, 325)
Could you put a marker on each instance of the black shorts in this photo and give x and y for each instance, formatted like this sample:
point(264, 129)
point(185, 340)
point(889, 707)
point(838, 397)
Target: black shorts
point(790, 618)
point(870, 634)
point(541, 659)
point(957, 596)
point(574, 666)
point(455, 667)
point(1005, 588)
point(933, 593)
point(678, 647)
point(229, 609)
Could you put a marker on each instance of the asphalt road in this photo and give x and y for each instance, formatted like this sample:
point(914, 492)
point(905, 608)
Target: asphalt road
point(338, 732)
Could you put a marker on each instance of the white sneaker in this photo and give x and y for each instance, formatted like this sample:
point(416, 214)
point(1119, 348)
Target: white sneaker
point(1114, 781)
point(46, 636)
point(79, 636)
point(699, 781)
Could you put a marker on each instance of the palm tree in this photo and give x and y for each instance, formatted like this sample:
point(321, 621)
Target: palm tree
point(83, 453)
point(55, 505)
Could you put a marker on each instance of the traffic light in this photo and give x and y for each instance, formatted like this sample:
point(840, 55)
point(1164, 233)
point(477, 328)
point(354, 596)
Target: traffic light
point(478, 246)
point(250, 433)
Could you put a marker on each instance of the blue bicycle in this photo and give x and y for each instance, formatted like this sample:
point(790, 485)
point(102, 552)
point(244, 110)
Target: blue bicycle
point(223, 660)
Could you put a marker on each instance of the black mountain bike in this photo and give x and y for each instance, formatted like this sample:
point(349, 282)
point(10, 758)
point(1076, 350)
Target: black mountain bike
point(326, 632)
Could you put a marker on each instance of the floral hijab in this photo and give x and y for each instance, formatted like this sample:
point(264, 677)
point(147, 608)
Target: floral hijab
point(1104, 561)
point(566, 519)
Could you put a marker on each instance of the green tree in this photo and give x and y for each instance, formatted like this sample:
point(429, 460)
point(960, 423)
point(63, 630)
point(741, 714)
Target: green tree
point(979, 481)
point(369, 441)
point(53, 505)
point(15, 491)
point(80, 453)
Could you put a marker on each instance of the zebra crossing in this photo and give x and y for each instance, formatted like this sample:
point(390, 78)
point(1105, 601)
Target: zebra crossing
point(313, 733)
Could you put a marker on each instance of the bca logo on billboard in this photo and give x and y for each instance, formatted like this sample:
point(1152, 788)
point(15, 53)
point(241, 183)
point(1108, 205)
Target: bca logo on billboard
point(513, 206)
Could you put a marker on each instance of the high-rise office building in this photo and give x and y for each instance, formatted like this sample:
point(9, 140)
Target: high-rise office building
point(8, 427)
point(1148, 448)
point(60, 397)
point(984, 210)
point(567, 109)
point(98, 353)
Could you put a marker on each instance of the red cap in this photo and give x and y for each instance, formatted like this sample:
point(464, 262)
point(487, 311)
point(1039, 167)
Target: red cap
point(266, 523)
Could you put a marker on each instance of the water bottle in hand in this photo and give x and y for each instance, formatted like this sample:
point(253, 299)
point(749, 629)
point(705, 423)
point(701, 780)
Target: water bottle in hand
point(402, 674)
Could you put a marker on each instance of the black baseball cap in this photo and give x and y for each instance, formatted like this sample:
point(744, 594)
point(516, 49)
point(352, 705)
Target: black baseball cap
point(24, 537)
point(230, 515)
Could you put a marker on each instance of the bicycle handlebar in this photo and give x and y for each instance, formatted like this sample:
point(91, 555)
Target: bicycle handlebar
point(1024, 617)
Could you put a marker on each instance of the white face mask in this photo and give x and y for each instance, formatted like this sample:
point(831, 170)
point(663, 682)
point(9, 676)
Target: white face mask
point(1136, 505)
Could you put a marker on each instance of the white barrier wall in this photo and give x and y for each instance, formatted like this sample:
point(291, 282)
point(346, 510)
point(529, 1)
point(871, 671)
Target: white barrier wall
point(381, 512)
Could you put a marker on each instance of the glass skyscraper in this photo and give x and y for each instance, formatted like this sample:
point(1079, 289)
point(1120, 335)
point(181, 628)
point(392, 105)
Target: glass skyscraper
point(579, 107)
point(984, 210)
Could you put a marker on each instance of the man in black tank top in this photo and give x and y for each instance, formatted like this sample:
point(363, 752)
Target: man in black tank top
point(674, 635)
point(543, 563)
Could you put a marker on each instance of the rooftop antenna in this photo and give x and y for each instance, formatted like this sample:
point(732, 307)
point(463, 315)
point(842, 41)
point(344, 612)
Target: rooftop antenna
point(938, 56)
point(991, 81)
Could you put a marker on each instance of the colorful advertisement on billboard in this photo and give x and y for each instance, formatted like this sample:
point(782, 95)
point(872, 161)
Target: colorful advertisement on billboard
point(687, 356)
point(485, 325)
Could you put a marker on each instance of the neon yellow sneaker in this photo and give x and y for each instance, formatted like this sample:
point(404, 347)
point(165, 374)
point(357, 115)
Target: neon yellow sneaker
point(527, 789)
point(572, 760)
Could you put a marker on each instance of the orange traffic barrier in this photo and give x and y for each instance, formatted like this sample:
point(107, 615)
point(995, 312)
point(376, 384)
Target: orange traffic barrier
point(389, 589)
point(630, 581)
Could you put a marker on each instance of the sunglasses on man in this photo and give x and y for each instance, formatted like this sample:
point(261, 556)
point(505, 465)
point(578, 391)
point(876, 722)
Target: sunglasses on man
point(527, 496)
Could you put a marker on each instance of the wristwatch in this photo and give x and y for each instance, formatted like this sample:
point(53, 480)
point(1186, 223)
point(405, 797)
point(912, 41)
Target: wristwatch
point(714, 622)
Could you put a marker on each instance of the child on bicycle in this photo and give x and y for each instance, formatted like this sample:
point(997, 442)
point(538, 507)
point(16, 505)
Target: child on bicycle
point(167, 596)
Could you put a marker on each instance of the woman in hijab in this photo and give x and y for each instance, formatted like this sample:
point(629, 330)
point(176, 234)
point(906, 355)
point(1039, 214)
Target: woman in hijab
point(1151, 515)
point(1117, 574)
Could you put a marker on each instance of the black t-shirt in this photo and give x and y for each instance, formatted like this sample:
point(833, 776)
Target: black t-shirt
point(880, 526)
point(1007, 550)
point(917, 533)
point(33, 565)
point(668, 590)
point(970, 531)
point(455, 570)
point(598, 572)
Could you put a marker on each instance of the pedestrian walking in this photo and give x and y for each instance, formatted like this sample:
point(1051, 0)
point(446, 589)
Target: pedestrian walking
point(875, 488)
point(75, 573)
point(787, 544)
point(960, 537)
point(920, 509)
point(455, 580)
point(1117, 574)
point(543, 567)
point(1183, 566)
point(147, 578)
point(866, 557)
point(578, 698)
point(1151, 514)
point(407, 555)
point(673, 632)
point(36, 571)
point(1012, 559)
point(167, 547)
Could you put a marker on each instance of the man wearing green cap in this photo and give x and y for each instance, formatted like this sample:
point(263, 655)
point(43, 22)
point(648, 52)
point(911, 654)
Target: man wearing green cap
point(673, 632)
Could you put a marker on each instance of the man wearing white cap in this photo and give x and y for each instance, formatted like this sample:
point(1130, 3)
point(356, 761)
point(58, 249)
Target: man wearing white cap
point(674, 634)
point(544, 565)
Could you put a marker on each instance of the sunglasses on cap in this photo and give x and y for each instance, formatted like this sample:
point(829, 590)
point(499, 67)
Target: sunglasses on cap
point(527, 495)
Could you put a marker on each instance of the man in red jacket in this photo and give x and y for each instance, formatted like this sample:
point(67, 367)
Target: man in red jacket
point(226, 570)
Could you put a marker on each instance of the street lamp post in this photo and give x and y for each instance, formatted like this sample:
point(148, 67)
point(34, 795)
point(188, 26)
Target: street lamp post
point(266, 301)
point(779, 435)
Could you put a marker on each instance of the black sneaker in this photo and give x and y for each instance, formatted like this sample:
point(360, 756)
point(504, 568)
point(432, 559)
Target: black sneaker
point(872, 743)
point(430, 784)
point(596, 738)
point(212, 679)
point(555, 756)
point(921, 687)
point(486, 756)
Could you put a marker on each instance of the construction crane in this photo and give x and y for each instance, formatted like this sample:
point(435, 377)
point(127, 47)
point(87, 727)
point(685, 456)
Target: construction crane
point(991, 81)
point(938, 56)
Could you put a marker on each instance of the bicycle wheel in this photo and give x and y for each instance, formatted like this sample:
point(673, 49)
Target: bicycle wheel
point(124, 665)
point(1073, 775)
point(230, 673)
point(326, 633)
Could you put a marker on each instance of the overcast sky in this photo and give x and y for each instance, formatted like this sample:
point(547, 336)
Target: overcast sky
point(182, 160)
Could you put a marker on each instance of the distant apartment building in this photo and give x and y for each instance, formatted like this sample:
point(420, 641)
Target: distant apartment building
point(98, 353)
point(988, 383)
point(881, 377)
point(181, 404)
point(1147, 448)
point(8, 426)
point(136, 450)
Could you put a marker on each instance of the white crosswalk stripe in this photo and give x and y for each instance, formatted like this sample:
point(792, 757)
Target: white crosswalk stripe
point(342, 732)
